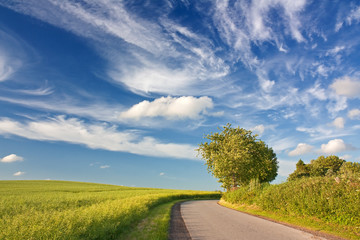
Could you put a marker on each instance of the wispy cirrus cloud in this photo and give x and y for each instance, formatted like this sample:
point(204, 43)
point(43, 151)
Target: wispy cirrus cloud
point(11, 55)
point(324, 132)
point(42, 91)
point(95, 136)
point(69, 105)
point(352, 16)
point(5, 68)
point(151, 45)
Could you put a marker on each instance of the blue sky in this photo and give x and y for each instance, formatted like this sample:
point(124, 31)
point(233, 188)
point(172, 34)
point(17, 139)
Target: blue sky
point(122, 92)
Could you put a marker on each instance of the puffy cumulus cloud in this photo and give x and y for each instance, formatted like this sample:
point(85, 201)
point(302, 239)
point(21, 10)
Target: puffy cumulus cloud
point(339, 122)
point(95, 136)
point(12, 158)
point(335, 146)
point(354, 114)
point(301, 148)
point(19, 173)
point(170, 108)
point(347, 86)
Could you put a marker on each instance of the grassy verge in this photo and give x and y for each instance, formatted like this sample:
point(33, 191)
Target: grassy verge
point(312, 224)
point(155, 226)
point(68, 210)
point(320, 204)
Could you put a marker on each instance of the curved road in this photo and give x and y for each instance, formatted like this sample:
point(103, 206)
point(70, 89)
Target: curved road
point(208, 220)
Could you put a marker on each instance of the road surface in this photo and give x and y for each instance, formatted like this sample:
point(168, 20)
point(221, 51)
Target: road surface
point(210, 221)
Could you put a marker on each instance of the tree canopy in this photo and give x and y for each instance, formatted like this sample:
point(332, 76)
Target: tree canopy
point(235, 156)
point(322, 166)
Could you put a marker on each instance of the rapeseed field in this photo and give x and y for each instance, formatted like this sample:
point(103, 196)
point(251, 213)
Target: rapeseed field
point(73, 210)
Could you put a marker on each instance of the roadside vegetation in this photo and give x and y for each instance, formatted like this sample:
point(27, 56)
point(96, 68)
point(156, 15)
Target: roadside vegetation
point(72, 210)
point(323, 195)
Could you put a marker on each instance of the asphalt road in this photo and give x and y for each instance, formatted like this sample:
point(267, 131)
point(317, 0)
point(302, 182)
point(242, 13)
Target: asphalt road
point(208, 220)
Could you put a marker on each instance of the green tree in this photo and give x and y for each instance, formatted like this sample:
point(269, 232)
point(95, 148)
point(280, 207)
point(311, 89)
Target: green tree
point(235, 156)
point(350, 169)
point(322, 165)
point(302, 170)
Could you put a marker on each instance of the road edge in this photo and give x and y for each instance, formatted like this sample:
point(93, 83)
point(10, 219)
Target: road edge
point(178, 229)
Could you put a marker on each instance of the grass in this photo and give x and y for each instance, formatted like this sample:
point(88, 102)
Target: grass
point(155, 226)
point(320, 204)
point(72, 210)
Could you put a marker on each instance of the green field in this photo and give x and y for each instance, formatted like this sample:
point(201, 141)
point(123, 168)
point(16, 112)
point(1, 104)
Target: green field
point(73, 210)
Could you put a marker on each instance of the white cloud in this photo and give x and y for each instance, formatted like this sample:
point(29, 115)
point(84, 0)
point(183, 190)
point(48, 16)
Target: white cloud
point(354, 114)
point(162, 174)
point(42, 91)
point(6, 70)
point(301, 148)
point(95, 136)
point(324, 132)
point(317, 92)
point(259, 129)
point(335, 146)
point(98, 111)
point(141, 63)
point(354, 15)
point(281, 143)
point(335, 50)
point(11, 55)
point(19, 173)
point(12, 158)
point(104, 166)
point(170, 108)
point(346, 157)
point(339, 122)
point(347, 86)
point(336, 104)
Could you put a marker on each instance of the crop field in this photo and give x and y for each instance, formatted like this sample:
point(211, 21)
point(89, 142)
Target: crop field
point(72, 210)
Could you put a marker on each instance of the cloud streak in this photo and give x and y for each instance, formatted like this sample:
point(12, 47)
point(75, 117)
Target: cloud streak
point(94, 136)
